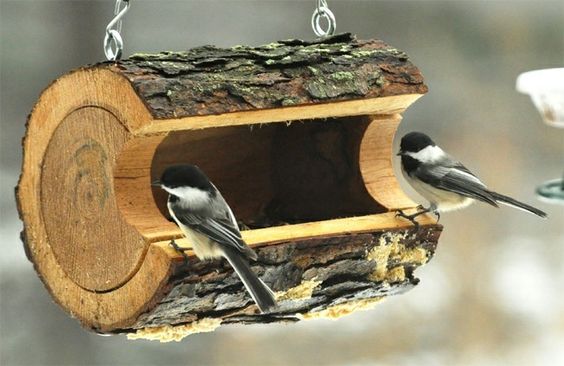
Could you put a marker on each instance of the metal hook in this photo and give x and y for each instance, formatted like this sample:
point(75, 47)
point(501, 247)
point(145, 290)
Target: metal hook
point(113, 42)
point(322, 11)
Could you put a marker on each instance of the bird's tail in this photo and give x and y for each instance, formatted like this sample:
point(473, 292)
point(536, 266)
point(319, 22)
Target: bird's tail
point(261, 294)
point(516, 204)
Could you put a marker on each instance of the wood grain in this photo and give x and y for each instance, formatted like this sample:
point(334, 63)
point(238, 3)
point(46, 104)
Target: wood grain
point(77, 202)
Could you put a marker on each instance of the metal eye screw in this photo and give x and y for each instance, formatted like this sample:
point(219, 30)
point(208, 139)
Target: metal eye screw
point(113, 42)
point(322, 11)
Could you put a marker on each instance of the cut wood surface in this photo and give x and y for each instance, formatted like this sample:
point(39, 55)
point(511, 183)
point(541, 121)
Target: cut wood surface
point(378, 106)
point(298, 137)
point(375, 162)
point(78, 168)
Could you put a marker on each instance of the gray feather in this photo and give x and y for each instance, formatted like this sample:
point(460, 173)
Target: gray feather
point(455, 178)
point(216, 222)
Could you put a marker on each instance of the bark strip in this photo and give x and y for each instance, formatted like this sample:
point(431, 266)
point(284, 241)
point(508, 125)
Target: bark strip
point(309, 276)
point(210, 80)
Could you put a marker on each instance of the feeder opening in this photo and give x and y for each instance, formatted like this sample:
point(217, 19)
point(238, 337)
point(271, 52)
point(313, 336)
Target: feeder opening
point(276, 173)
point(270, 174)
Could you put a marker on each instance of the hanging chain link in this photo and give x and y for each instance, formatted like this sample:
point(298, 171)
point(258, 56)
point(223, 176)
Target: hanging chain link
point(113, 43)
point(322, 11)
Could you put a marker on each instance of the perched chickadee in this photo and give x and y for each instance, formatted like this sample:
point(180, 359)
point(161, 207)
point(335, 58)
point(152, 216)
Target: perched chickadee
point(208, 222)
point(444, 182)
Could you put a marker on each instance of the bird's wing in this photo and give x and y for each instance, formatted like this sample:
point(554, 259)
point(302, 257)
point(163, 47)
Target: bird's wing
point(220, 230)
point(224, 207)
point(456, 178)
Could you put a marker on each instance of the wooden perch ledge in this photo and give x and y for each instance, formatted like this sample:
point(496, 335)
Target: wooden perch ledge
point(297, 136)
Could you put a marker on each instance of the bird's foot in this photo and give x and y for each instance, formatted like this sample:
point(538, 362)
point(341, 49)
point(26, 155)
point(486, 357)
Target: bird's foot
point(420, 211)
point(400, 213)
point(438, 214)
point(181, 251)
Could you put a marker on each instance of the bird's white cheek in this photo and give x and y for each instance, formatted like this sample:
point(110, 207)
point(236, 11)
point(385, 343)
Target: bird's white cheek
point(430, 154)
point(190, 197)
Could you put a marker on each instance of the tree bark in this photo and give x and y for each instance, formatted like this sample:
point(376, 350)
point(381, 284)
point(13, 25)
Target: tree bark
point(323, 277)
point(210, 80)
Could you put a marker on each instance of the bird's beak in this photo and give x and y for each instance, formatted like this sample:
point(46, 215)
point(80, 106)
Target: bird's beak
point(400, 153)
point(156, 183)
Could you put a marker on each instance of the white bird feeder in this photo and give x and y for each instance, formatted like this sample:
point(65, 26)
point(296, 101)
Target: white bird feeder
point(546, 88)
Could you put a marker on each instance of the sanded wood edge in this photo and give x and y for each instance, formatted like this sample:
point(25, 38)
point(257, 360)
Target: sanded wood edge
point(384, 105)
point(376, 164)
point(319, 229)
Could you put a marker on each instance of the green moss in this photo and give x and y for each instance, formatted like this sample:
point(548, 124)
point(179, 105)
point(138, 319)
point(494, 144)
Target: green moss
point(271, 46)
point(286, 102)
point(384, 51)
point(377, 78)
point(364, 53)
point(343, 76)
point(313, 70)
point(314, 50)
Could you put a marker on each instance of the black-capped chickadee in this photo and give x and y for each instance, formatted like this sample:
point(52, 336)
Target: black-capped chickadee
point(443, 181)
point(209, 224)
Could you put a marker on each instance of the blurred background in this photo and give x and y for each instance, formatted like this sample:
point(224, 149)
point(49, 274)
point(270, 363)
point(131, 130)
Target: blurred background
point(493, 294)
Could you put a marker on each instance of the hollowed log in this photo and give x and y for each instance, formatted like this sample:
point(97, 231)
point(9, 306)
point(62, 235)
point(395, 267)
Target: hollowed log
point(296, 135)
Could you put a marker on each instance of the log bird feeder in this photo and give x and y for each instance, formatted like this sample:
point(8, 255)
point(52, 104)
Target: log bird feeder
point(297, 136)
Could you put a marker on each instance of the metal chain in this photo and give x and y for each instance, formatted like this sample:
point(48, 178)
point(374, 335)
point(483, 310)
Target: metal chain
point(113, 43)
point(322, 11)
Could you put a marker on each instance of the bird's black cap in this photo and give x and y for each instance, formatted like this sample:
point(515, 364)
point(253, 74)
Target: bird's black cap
point(186, 175)
point(414, 142)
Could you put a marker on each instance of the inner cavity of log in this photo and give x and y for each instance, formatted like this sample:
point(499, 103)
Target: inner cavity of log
point(271, 174)
point(277, 174)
